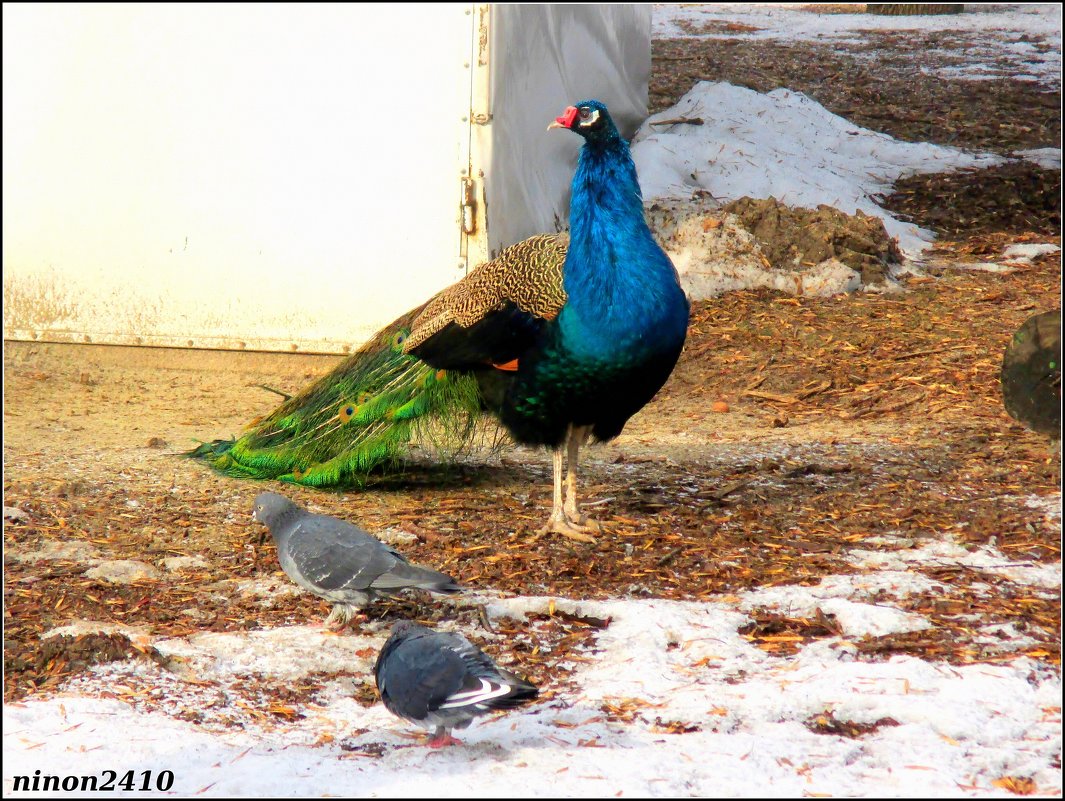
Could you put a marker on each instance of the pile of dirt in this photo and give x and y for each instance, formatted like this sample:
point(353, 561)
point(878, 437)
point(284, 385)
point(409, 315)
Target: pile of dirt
point(796, 237)
point(1016, 197)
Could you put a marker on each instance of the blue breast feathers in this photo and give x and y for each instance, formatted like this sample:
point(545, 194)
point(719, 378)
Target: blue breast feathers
point(624, 301)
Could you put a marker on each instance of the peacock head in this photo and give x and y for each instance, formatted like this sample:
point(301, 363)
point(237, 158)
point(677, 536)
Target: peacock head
point(590, 119)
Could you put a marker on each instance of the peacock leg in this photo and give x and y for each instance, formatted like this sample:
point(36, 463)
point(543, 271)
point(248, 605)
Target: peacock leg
point(578, 435)
point(558, 523)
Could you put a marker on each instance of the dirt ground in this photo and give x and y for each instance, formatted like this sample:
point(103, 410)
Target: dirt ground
point(847, 418)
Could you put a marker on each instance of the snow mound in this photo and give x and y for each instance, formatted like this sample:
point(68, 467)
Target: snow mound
point(782, 144)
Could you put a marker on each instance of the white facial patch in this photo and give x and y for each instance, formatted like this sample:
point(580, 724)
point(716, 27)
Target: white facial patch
point(589, 117)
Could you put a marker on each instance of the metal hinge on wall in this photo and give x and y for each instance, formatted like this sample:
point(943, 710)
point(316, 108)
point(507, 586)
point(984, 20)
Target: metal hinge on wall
point(468, 203)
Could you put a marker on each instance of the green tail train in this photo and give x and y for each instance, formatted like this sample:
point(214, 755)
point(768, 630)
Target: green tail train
point(357, 418)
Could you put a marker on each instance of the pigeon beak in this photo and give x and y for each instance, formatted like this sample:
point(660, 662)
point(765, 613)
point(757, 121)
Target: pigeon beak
point(566, 120)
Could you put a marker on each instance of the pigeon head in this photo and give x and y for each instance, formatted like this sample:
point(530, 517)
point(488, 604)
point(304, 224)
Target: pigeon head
point(404, 627)
point(270, 508)
point(591, 120)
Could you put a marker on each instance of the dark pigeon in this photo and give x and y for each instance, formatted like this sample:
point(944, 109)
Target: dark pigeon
point(442, 681)
point(1031, 374)
point(338, 561)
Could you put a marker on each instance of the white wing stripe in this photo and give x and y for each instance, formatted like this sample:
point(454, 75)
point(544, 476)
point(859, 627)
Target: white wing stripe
point(486, 692)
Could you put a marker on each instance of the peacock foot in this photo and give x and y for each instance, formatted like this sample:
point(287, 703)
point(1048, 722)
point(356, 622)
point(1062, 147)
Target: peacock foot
point(583, 522)
point(560, 524)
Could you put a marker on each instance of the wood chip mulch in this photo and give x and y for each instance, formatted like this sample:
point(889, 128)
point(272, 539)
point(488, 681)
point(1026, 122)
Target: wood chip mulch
point(1017, 197)
point(925, 361)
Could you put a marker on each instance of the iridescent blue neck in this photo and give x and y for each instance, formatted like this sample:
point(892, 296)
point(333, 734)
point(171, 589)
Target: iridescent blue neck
point(612, 258)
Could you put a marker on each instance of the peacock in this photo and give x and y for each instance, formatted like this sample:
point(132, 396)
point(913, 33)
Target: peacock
point(561, 337)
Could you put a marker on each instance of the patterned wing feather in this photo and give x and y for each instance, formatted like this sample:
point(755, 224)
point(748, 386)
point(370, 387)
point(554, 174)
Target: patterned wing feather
point(526, 276)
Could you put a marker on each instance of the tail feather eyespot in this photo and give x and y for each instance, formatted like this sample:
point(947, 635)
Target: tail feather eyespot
point(347, 411)
point(434, 378)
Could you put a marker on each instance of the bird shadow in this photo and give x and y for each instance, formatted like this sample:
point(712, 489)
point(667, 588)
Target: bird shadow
point(554, 725)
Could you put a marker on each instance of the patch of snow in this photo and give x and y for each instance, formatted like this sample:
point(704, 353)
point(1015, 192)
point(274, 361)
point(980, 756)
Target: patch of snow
point(1046, 157)
point(137, 634)
point(1049, 505)
point(872, 620)
point(268, 589)
point(857, 619)
point(305, 650)
point(800, 600)
point(668, 663)
point(1027, 252)
point(945, 553)
point(13, 514)
point(1005, 635)
point(397, 537)
point(55, 550)
point(783, 145)
point(123, 571)
point(704, 278)
point(179, 563)
point(982, 266)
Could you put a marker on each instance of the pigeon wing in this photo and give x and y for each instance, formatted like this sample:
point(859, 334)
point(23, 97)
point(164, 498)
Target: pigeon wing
point(484, 684)
point(415, 675)
point(335, 555)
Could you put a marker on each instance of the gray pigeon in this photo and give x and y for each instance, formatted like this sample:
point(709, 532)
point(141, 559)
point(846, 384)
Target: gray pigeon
point(338, 561)
point(442, 680)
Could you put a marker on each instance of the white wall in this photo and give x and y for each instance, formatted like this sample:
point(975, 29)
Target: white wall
point(547, 57)
point(217, 175)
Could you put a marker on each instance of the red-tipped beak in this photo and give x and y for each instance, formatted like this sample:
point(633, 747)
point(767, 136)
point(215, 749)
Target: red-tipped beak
point(566, 120)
